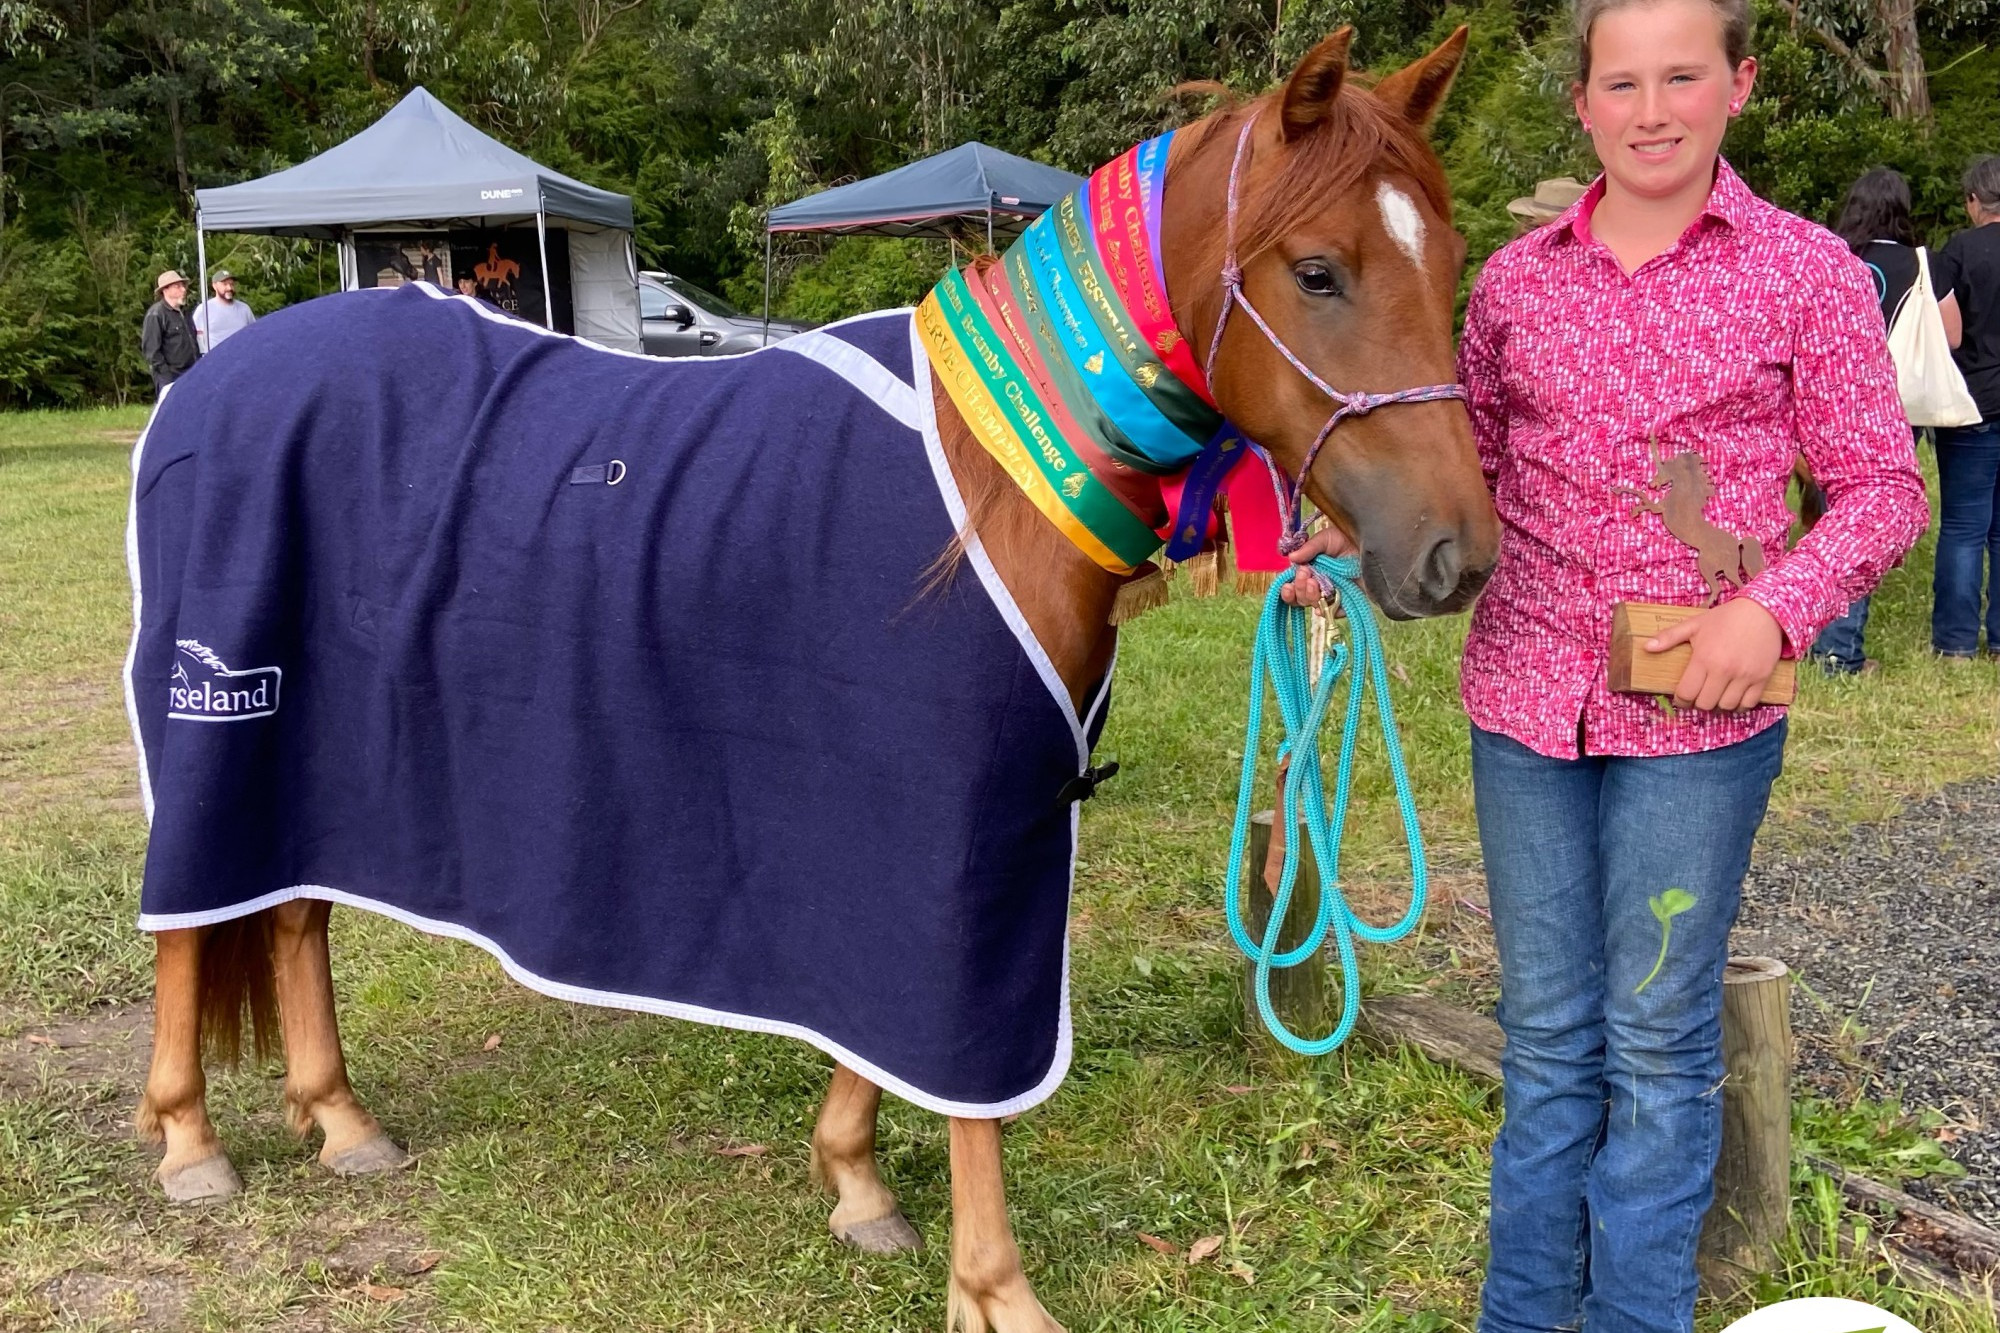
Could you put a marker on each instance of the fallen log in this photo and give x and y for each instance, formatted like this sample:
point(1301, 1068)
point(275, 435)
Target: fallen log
point(1963, 1244)
point(1444, 1033)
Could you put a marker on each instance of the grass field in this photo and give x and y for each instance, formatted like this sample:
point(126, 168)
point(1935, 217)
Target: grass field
point(571, 1177)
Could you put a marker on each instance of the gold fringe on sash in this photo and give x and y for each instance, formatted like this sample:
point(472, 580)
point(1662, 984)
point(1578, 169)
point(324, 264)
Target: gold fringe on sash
point(1146, 591)
point(1254, 582)
point(1205, 573)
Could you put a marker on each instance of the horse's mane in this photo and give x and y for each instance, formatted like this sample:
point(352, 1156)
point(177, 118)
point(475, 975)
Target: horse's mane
point(1360, 135)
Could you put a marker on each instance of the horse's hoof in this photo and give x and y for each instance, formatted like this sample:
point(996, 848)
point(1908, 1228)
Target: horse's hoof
point(368, 1158)
point(1017, 1311)
point(885, 1235)
point(202, 1182)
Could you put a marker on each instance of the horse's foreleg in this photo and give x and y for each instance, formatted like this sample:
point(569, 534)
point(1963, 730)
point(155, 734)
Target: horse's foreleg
point(843, 1161)
point(316, 1087)
point(175, 1104)
point(988, 1289)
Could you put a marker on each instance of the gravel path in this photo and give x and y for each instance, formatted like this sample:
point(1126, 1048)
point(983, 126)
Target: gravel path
point(1896, 931)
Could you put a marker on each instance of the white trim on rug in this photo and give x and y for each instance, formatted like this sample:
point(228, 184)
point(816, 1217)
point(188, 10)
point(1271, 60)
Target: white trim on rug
point(138, 607)
point(562, 990)
point(875, 381)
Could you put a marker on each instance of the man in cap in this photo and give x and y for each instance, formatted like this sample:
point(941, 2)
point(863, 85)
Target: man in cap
point(222, 314)
point(167, 338)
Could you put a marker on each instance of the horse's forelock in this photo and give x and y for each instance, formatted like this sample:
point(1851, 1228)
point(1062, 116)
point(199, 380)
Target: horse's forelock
point(1359, 138)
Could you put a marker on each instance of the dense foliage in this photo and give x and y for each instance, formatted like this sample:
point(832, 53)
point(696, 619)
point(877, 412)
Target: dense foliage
point(709, 111)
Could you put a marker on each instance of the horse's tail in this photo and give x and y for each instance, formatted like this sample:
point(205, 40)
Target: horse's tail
point(1750, 554)
point(237, 975)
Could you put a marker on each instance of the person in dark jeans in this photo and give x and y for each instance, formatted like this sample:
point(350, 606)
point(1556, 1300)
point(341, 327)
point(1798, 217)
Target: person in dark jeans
point(1875, 221)
point(1967, 275)
point(167, 338)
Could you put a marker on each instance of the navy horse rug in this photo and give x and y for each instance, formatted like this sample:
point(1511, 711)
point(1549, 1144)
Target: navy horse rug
point(624, 670)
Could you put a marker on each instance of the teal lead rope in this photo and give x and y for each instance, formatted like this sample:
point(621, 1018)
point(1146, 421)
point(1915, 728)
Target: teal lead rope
point(1281, 657)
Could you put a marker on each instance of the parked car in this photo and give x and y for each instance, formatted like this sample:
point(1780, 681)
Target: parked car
point(677, 318)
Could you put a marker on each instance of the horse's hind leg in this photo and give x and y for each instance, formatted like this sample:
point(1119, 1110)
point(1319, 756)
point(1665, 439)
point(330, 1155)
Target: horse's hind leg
point(175, 1104)
point(843, 1161)
point(988, 1289)
point(316, 1087)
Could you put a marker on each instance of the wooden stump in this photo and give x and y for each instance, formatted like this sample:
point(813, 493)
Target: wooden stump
point(1753, 1176)
point(1298, 994)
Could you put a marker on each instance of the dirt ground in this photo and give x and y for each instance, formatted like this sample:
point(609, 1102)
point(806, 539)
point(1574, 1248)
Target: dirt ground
point(357, 1262)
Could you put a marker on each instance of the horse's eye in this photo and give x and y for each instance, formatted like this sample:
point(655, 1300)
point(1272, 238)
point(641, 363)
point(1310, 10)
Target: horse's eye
point(1316, 279)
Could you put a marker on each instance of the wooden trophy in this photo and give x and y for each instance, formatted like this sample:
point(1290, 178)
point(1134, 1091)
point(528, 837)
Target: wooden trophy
point(1727, 561)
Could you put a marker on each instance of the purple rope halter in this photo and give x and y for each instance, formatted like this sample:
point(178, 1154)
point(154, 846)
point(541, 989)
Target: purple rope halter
point(1356, 404)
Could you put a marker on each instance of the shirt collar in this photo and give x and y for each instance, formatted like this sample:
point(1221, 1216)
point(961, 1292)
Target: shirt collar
point(1729, 201)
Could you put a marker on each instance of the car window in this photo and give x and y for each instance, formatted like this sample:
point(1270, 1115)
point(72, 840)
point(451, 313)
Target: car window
point(708, 300)
point(652, 303)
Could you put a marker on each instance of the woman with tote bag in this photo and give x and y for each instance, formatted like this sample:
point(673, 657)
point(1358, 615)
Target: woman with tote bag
point(1967, 275)
point(1875, 222)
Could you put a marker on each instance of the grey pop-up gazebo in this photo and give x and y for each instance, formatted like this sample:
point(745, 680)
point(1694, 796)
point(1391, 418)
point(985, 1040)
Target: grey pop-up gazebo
point(926, 198)
point(421, 165)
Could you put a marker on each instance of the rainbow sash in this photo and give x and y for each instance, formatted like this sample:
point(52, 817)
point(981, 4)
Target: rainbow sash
point(1064, 359)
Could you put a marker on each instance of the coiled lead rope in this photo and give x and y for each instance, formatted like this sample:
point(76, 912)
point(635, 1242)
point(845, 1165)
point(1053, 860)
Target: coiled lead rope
point(1281, 656)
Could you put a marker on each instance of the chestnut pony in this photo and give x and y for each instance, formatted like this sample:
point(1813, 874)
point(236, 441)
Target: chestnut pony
point(1339, 181)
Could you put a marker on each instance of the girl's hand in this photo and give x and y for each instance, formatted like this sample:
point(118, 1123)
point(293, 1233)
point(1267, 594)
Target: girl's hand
point(1736, 648)
point(1304, 590)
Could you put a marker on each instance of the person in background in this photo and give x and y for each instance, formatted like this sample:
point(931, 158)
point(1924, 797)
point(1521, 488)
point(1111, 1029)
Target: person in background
point(222, 315)
point(430, 265)
point(1967, 276)
point(167, 337)
point(1875, 221)
point(1550, 201)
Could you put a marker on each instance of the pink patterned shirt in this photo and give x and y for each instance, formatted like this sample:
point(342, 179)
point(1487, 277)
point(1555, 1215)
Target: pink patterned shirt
point(1755, 338)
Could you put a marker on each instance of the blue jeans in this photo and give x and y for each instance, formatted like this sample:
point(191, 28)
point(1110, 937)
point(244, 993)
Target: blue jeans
point(1968, 544)
point(1605, 1163)
point(1838, 647)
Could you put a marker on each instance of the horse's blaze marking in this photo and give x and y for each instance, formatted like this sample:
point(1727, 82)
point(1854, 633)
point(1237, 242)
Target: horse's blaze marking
point(1402, 221)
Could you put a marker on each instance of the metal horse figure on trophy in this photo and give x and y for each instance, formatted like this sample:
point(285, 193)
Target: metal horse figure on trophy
point(1727, 561)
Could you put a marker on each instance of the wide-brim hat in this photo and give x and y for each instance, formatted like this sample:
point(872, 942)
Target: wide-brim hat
point(168, 279)
point(1551, 199)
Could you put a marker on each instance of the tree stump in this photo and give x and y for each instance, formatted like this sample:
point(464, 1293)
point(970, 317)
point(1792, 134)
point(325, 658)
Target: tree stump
point(1298, 994)
point(1753, 1176)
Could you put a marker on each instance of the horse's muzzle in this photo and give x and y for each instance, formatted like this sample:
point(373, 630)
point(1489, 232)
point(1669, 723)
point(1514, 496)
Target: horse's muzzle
point(1441, 580)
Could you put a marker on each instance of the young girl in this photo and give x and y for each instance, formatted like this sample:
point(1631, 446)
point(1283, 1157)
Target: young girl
point(1669, 311)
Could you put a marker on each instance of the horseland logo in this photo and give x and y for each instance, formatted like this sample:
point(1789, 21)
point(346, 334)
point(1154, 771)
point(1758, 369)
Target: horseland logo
point(204, 689)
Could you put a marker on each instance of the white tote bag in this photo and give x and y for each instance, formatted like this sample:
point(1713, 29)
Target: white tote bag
point(1933, 391)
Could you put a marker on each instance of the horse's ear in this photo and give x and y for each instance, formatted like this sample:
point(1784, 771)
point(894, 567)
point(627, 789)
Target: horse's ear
point(1310, 92)
point(1416, 91)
